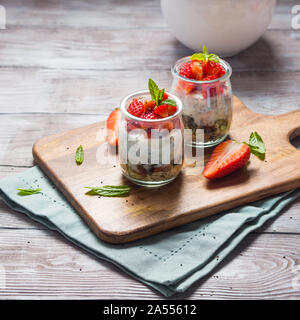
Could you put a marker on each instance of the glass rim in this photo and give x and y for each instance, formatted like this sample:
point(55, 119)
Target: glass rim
point(144, 92)
point(222, 62)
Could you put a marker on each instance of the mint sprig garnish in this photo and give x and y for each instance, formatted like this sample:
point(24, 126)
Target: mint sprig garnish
point(157, 95)
point(160, 96)
point(205, 56)
point(109, 191)
point(257, 145)
point(170, 102)
point(153, 89)
point(79, 156)
point(28, 192)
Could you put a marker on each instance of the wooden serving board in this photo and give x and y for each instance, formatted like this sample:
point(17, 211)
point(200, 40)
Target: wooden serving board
point(188, 198)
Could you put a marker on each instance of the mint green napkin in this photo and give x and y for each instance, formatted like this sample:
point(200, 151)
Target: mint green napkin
point(171, 261)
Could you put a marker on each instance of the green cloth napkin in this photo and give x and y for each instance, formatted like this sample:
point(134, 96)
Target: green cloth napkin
point(171, 261)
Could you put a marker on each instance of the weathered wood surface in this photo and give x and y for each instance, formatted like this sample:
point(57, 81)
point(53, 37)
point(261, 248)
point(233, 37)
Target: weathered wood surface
point(48, 266)
point(112, 50)
point(93, 91)
point(49, 72)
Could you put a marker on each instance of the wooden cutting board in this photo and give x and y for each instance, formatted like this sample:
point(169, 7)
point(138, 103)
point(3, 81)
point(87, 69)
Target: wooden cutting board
point(188, 198)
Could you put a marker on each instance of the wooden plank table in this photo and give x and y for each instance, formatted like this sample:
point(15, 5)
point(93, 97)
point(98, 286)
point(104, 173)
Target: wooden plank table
point(61, 63)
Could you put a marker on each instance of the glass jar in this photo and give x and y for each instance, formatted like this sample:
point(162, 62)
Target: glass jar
point(207, 105)
point(150, 150)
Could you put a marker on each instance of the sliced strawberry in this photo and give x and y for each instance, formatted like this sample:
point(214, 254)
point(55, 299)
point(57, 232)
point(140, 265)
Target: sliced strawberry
point(209, 68)
point(162, 110)
point(149, 115)
point(149, 105)
point(226, 158)
point(186, 87)
point(197, 70)
point(212, 77)
point(211, 90)
point(165, 110)
point(169, 125)
point(131, 125)
point(112, 125)
point(136, 108)
point(166, 96)
point(172, 110)
point(213, 69)
point(186, 70)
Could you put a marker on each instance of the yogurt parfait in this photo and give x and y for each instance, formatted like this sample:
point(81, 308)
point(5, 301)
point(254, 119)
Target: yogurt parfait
point(150, 137)
point(202, 82)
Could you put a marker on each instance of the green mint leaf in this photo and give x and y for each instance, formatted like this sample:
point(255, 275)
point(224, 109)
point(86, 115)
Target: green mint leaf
point(205, 56)
point(256, 141)
point(156, 94)
point(79, 156)
point(205, 51)
point(170, 102)
point(257, 145)
point(109, 191)
point(198, 56)
point(213, 57)
point(153, 89)
point(260, 156)
point(28, 192)
point(160, 96)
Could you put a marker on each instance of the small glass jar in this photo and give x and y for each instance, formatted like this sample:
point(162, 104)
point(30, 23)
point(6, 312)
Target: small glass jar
point(150, 150)
point(207, 105)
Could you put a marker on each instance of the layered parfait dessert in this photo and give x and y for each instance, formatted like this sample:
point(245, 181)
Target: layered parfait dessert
point(151, 136)
point(202, 82)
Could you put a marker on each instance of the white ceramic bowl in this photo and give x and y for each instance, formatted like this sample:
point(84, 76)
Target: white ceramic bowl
point(225, 27)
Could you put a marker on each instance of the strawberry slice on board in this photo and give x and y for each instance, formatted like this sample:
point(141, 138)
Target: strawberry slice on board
point(226, 158)
point(112, 125)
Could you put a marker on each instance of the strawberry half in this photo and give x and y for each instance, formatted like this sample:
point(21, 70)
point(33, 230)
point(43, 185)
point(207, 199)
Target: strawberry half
point(136, 108)
point(149, 115)
point(112, 125)
point(186, 70)
point(227, 157)
point(149, 105)
point(172, 110)
point(165, 110)
point(197, 70)
point(213, 70)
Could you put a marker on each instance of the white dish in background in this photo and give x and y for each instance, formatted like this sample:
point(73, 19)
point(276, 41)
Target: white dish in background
point(225, 27)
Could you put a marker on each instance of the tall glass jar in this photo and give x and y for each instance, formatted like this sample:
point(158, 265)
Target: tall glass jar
point(150, 150)
point(207, 105)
